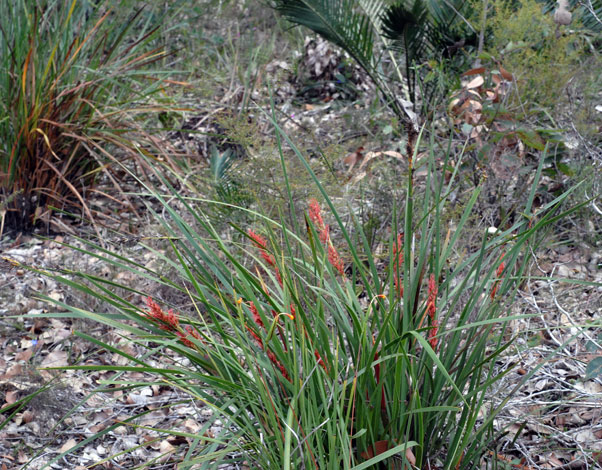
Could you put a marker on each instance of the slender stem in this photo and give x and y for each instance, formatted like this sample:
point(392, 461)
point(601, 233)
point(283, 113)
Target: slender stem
point(286, 464)
point(482, 33)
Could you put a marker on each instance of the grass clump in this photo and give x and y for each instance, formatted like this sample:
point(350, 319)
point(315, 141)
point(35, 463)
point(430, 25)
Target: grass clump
point(314, 351)
point(73, 76)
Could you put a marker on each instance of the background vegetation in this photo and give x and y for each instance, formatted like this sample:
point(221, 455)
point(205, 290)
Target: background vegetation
point(317, 239)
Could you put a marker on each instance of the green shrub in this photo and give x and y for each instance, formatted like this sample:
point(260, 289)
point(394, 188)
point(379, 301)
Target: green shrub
point(524, 39)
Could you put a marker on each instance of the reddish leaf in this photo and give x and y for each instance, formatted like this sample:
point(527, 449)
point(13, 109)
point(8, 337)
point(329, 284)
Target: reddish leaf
point(475, 71)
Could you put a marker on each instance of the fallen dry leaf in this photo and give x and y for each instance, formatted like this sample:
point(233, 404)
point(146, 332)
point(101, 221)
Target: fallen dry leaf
point(22, 457)
point(68, 445)
point(12, 371)
point(55, 359)
point(11, 397)
point(24, 355)
point(27, 416)
point(475, 82)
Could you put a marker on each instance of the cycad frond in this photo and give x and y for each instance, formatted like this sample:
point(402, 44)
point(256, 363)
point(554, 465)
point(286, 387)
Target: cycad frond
point(408, 27)
point(374, 10)
point(592, 15)
point(446, 14)
point(338, 21)
point(354, 26)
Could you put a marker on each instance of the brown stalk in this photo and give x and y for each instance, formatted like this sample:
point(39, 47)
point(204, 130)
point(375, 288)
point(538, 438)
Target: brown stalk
point(157, 51)
point(108, 173)
point(76, 193)
point(79, 48)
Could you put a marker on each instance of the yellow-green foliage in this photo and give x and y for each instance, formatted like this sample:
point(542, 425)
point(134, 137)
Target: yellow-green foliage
point(524, 38)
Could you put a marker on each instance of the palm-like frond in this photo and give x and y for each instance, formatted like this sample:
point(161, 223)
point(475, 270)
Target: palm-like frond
point(417, 27)
point(408, 27)
point(354, 26)
point(446, 14)
point(374, 10)
point(338, 21)
point(427, 26)
point(592, 15)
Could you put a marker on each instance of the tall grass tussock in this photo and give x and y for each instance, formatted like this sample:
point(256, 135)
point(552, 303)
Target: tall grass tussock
point(316, 352)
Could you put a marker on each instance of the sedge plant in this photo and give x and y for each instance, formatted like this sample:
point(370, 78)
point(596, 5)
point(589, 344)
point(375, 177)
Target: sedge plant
point(73, 76)
point(314, 351)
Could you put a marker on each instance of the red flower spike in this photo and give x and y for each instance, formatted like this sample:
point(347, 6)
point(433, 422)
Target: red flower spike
point(279, 365)
point(271, 356)
point(155, 310)
point(335, 260)
point(278, 277)
point(262, 244)
point(190, 331)
point(398, 265)
point(498, 273)
point(256, 317)
point(184, 339)
point(320, 361)
point(255, 336)
point(431, 310)
point(166, 321)
point(172, 318)
point(383, 403)
point(315, 214)
point(325, 235)
point(258, 239)
point(433, 333)
point(431, 303)
point(170, 322)
point(268, 258)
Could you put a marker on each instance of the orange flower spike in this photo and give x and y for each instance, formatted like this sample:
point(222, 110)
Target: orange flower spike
point(431, 303)
point(262, 244)
point(320, 361)
point(256, 317)
point(166, 321)
point(335, 260)
point(498, 273)
point(315, 214)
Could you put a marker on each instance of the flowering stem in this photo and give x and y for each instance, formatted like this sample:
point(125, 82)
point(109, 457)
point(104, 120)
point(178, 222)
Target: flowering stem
point(274, 323)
